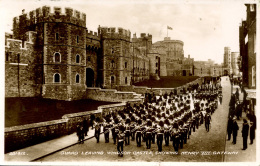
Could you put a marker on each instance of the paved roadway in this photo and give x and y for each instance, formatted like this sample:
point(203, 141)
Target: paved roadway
point(201, 147)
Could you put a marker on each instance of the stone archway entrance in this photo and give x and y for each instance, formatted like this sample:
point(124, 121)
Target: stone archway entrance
point(89, 77)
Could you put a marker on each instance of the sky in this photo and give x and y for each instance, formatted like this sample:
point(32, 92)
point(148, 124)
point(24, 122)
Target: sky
point(205, 27)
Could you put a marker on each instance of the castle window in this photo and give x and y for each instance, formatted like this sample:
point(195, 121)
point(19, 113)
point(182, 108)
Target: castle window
point(126, 65)
point(6, 56)
point(126, 80)
point(112, 80)
point(56, 78)
point(112, 50)
point(156, 64)
point(156, 71)
point(77, 39)
point(156, 57)
point(77, 78)
point(57, 57)
point(56, 36)
point(112, 64)
point(77, 58)
point(89, 58)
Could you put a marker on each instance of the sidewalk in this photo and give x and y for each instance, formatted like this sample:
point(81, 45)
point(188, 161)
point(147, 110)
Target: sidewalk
point(41, 150)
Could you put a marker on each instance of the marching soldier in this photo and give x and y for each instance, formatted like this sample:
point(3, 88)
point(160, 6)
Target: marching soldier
point(120, 141)
point(97, 129)
point(132, 128)
point(148, 134)
point(106, 131)
point(207, 121)
point(175, 137)
point(166, 132)
point(127, 132)
point(115, 130)
point(154, 127)
point(138, 133)
point(160, 136)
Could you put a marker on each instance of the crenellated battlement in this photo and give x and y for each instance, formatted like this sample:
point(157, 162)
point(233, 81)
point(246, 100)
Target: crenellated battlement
point(48, 14)
point(115, 33)
point(93, 35)
point(19, 44)
point(143, 36)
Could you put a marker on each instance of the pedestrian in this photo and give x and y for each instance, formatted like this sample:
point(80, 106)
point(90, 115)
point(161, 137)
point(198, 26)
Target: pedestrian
point(230, 127)
point(235, 128)
point(252, 132)
point(245, 130)
point(85, 126)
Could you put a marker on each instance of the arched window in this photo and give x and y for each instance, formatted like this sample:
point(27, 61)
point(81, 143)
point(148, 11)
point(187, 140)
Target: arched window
point(126, 80)
point(56, 78)
point(57, 57)
point(77, 58)
point(77, 78)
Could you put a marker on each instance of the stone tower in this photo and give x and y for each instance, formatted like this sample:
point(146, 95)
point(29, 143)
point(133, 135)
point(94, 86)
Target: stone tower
point(61, 49)
point(117, 62)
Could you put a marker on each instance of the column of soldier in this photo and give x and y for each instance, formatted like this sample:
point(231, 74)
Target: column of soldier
point(169, 117)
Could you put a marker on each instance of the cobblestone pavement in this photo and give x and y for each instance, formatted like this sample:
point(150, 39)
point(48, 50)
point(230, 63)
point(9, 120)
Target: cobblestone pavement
point(201, 147)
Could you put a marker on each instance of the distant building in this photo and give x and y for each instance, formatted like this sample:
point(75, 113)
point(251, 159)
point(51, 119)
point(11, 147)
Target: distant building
point(207, 68)
point(171, 56)
point(227, 68)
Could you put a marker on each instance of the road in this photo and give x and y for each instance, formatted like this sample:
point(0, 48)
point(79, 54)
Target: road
point(201, 147)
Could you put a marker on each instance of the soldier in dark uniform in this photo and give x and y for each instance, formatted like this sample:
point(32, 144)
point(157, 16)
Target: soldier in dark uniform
point(143, 129)
point(160, 136)
point(166, 132)
point(106, 131)
point(234, 130)
point(92, 118)
point(85, 126)
point(154, 127)
point(97, 129)
point(175, 137)
point(245, 130)
point(181, 133)
point(132, 128)
point(148, 134)
point(120, 141)
point(252, 132)
point(127, 131)
point(80, 133)
point(229, 127)
point(113, 129)
point(207, 121)
point(138, 133)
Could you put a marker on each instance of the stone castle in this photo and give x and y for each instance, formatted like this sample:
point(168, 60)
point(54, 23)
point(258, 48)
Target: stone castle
point(53, 55)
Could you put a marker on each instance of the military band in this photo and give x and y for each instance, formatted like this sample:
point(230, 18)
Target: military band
point(169, 118)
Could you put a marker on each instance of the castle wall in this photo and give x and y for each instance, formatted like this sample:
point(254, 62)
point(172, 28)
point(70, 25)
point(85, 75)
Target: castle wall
point(22, 73)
